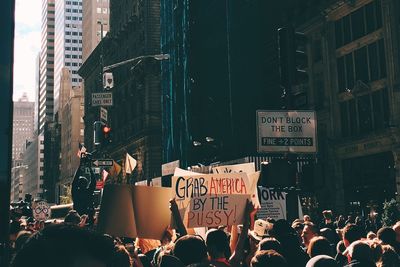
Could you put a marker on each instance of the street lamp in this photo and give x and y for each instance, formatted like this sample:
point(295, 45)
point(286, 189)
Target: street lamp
point(139, 59)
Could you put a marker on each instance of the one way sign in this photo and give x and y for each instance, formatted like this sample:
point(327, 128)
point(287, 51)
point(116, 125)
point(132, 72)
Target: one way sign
point(103, 162)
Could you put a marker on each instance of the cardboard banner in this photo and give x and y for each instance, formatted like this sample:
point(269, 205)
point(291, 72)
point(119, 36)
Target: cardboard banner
point(245, 167)
point(199, 195)
point(273, 204)
point(212, 211)
point(134, 211)
point(182, 172)
point(253, 176)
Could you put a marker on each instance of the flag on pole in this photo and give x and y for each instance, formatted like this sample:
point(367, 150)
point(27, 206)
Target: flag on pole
point(115, 169)
point(82, 149)
point(104, 175)
point(130, 163)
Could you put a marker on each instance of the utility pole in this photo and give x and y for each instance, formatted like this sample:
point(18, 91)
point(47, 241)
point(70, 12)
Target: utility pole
point(7, 8)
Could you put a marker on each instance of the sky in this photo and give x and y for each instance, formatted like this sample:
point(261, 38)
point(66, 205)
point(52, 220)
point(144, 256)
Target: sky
point(26, 47)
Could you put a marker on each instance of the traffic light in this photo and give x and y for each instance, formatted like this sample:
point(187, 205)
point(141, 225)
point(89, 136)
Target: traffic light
point(279, 173)
point(101, 133)
point(293, 62)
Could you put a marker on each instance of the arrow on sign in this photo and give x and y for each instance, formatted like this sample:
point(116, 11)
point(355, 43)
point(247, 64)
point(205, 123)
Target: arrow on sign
point(103, 162)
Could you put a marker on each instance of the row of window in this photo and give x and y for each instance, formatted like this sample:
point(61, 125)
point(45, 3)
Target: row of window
point(73, 10)
point(103, 10)
point(73, 33)
point(67, 48)
point(74, 41)
point(74, 64)
point(366, 64)
point(73, 18)
point(364, 114)
point(74, 3)
point(73, 56)
point(358, 23)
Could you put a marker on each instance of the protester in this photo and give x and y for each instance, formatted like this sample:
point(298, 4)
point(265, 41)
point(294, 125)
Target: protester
point(389, 257)
point(65, 245)
point(190, 249)
point(327, 223)
point(319, 246)
point(322, 261)
point(309, 231)
point(360, 255)
point(218, 248)
point(270, 243)
point(269, 258)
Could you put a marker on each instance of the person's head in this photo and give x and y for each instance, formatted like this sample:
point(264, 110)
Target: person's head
point(298, 227)
point(65, 245)
point(269, 258)
point(341, 218)
point(371, 235)
point(322, 261)
point(361, 251)
point(22, 237)
point(329, 234)
point(72, 217)
point(387, 235)
point(190, 249)
point(120, 257)
point(270, 243)
point(310, 230)
point(351, 233)
point(327, 215)
point(306, 218)
point(217, 244)
point(319, 246)
point(389, 257)
point(396, 228)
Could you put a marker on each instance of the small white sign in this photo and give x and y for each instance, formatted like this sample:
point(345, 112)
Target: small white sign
point(286, 131)
point(273, 204)
point(103, 114)
point(102, 99)
point(41, 210)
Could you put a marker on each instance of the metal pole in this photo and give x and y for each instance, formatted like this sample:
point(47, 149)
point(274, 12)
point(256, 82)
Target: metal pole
point(6, 109)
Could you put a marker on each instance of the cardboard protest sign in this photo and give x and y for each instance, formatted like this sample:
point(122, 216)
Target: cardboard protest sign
point(245, 167)
point(182, 172)
point(217, 210)
point(134, 211)
point(41, 210)
point(273, 204)
point(253, 176)
point(197, 197)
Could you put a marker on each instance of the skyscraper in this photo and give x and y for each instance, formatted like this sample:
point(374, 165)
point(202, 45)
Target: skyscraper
point(68, 43)
point(22, 125)
point(46, 69)
point(95, 24)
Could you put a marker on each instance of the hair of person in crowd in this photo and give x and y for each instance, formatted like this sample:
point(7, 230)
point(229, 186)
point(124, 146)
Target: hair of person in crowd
point(351, 233)
point(269, 258)
point(322, 261)
point(396, 228)
point(310, 230)
point(387, 235)
point(217, 244)
point(319, 246)
point(72, 217)
point(360, 251)
point(371, 235)
point(120, 257)
point(22, 237)
point(65, 245)
point(389, 257)
point(270, 243)
point(329, 234)
point(190, 249)
point(327, 214)
point(306, 218)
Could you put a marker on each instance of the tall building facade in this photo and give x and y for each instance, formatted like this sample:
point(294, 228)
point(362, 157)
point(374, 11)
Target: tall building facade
point(46, 67)
point(135, 117)
point(68, 43)
point(95, 24)
point(72, 130)
point(32, 182)
point(23, 123)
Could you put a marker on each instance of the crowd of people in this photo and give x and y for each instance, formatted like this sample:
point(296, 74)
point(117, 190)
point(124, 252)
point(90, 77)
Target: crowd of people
point(332, 242)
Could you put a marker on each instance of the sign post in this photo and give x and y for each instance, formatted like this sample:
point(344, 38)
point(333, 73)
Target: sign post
point(286, 131)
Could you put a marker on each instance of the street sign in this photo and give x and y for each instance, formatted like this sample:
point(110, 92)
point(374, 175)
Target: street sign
point(103, 162)
point(103, 114)
point(102, 99)
point(286, 131)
